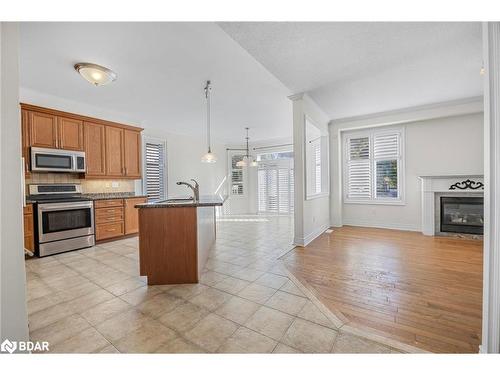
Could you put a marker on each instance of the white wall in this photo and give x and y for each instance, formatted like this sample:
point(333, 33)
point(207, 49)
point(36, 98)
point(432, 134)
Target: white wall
point(14, 319)
point(184, 162)
point(440, 146)
point(311, 216)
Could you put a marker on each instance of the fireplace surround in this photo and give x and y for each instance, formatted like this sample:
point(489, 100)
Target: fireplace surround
point(433, 188)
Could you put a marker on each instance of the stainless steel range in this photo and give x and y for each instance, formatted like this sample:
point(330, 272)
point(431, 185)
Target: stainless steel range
point(64, 218)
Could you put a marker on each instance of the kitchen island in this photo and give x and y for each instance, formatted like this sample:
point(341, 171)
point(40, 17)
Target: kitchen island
point(175, 237)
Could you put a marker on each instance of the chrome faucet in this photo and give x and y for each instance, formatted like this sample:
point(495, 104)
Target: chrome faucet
point(195, 188)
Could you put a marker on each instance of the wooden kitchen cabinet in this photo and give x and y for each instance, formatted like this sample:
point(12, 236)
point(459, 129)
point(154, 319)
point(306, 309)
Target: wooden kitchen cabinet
point(114, 152)
point(132, 153)
point(116, 218)
point(70, 134)
point(29, 233)
point(25, 143)
point(42, 129)
point(95, 149)
point(51, 131)
point(132, 215)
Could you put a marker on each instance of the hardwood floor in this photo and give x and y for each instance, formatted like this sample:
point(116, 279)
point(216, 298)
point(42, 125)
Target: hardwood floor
point(420, 290)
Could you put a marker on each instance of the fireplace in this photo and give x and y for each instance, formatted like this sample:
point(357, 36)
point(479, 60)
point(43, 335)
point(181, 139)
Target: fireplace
point(462, 215)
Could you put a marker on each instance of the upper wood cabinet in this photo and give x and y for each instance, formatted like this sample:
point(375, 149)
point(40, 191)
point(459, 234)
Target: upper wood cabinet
point(114, 152)
point(95, 149)
point(25, 142)
point(43, 129)
point(70, 134)
point(52, 131)
point(132, 153)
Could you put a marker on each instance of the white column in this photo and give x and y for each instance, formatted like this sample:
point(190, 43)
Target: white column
point(491, 284)
point(14, 319)
point(298, 162)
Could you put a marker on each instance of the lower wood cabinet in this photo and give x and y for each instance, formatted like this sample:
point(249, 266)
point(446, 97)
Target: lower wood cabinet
point(115, 218)
point(132, 215)
point(29, 239)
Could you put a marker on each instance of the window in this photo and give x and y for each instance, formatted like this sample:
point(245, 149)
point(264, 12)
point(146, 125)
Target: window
point(155, 169)
point(316, 148)
point(373, 166)
point(275, 186)
point(275, 156)
point(237, 187)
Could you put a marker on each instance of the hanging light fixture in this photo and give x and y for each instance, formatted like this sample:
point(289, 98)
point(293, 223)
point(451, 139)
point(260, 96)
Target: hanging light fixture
point(96, 74)
point(209, 157)
point(246, 159)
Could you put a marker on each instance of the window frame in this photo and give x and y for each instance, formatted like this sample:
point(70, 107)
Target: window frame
point(371, 133)
point(244, 183)
point(325, 162)
point(163, 142)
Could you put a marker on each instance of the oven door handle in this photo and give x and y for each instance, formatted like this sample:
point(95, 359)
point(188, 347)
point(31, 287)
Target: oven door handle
point(44, 207)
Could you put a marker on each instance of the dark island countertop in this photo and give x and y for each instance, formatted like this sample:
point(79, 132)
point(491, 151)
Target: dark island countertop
point(205, 201)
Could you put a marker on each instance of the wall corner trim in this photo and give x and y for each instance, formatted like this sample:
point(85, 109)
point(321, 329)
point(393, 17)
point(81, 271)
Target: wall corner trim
point(306, 240)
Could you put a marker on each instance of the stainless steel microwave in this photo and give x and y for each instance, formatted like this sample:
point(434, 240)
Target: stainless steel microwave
point(54, 160)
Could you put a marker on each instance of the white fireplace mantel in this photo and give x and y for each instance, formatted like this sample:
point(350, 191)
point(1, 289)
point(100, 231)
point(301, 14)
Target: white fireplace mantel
point(433, 185)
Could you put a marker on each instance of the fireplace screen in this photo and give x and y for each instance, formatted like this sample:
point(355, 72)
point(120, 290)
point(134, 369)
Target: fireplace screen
point(462, 215)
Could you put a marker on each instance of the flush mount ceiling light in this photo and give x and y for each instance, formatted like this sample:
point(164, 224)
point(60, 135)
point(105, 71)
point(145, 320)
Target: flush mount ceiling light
point(95, 74)
point(209, 157)
point(246, 159)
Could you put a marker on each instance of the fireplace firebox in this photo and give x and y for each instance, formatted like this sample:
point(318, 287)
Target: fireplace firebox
point(462, 215)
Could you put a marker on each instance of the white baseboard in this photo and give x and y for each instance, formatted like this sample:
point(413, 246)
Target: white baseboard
point(304, 241)
point(396, 226)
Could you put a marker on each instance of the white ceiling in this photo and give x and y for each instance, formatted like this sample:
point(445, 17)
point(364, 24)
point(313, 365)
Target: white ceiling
point(162, 69)
point(353, 69)
point(349, 69)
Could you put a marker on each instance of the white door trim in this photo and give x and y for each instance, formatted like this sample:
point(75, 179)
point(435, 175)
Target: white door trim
point(491, 262)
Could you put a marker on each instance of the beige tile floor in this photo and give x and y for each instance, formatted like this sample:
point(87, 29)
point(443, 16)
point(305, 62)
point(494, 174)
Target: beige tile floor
point(94, 301)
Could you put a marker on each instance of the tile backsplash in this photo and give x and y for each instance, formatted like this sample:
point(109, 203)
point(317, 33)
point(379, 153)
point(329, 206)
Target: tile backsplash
point(88, 186)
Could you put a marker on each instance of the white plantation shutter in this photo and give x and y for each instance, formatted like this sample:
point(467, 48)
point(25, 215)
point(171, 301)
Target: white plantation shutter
point(372, 165)
point(155, 170)
point(386, 146)
point(359, 148)
point(284, 190)
point(275, 189)
point(359, 184)
point(359, 173)
point(316, 145)
point(236, 176)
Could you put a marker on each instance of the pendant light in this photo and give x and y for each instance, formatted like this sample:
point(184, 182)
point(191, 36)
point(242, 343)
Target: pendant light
point(246, 159)
point(209, 157)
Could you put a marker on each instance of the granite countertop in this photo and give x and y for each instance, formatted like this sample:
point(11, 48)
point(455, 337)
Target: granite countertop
point(118, 195)
point(205, 201)
point(100, 196)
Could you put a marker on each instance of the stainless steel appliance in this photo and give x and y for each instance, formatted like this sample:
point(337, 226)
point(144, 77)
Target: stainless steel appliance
point(53, 160)
point(64, 218)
